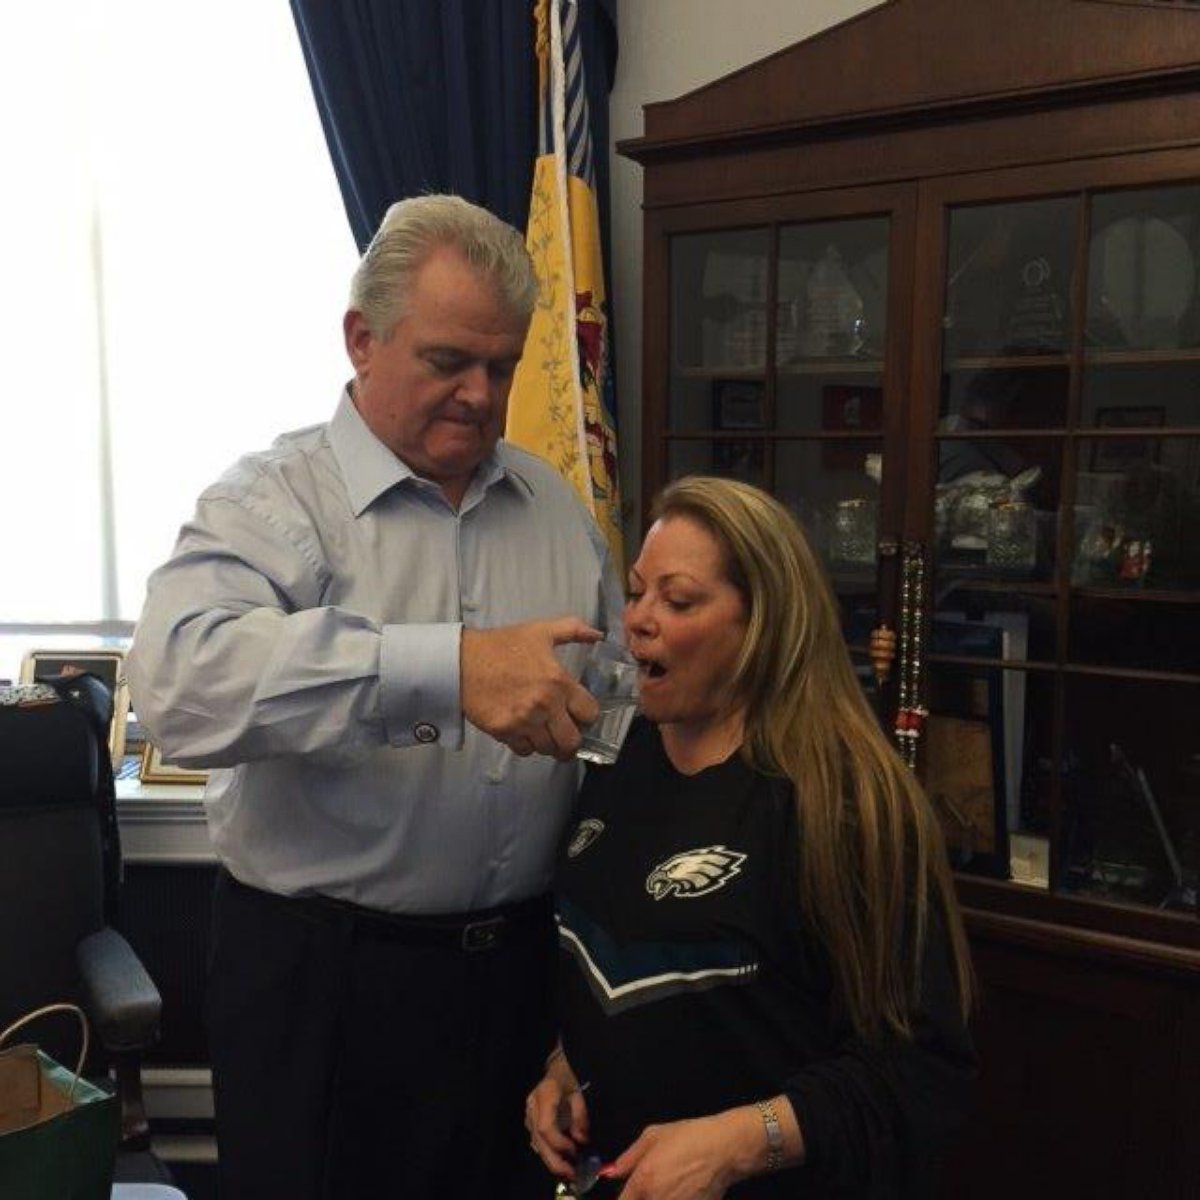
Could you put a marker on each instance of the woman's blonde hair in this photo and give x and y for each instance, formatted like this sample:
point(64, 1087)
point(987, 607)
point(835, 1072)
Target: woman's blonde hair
point(872, 860)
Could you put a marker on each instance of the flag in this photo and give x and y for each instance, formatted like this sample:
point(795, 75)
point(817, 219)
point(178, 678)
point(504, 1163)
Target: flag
point(562, 404)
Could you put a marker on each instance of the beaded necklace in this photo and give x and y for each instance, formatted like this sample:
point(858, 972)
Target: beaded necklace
point(910, 713)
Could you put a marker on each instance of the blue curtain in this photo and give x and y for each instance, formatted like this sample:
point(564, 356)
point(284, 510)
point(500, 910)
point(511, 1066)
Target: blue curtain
point(440, 95)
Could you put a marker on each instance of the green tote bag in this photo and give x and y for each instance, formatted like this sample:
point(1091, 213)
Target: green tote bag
point(58, 1132)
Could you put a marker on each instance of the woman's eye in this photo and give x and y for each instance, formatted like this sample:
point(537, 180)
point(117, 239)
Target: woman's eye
point(632, 597)
point(678, 605)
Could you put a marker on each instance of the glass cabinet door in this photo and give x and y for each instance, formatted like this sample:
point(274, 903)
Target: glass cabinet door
point(999, 440)
point(1062, 743)
point(1131, 737)
point(777, 378)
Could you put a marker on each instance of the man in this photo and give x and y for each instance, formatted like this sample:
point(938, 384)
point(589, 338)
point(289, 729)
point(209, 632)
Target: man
point(361, 623)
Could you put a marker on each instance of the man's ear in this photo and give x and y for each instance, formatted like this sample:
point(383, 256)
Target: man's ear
point(359, 339)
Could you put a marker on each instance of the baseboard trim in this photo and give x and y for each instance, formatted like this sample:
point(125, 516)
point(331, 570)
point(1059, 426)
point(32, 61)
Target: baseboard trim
point(178, 1092)
point(185, 1149)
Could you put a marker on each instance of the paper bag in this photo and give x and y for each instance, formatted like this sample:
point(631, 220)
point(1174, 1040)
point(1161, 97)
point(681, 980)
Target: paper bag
point(58, 1132)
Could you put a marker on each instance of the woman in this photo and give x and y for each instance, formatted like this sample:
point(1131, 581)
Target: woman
point(765, 981)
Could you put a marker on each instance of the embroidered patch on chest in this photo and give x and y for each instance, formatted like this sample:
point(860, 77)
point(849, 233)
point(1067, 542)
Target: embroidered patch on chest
point(586, 832)
point(694, 872)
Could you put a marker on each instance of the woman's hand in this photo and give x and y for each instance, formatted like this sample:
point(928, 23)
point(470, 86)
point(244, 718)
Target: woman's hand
point(691, 1160)
point(557, 1118)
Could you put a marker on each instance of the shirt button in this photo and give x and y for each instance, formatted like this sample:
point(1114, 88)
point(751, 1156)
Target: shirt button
point(495, 777)
point(425, 733)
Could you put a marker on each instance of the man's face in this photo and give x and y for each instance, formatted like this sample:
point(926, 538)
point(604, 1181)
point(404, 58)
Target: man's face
point(436, 392)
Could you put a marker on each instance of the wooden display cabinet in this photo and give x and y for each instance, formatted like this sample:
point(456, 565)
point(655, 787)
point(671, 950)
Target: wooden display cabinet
point(933, 278)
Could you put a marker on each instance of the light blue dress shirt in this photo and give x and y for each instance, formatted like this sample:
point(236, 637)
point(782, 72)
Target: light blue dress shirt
point(304, 635)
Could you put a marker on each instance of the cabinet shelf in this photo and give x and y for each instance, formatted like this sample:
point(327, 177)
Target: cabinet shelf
point(1134, 674)
point(985, 579)
point(1141, 357)
point(1088, 670)
point(972, 661)
point(1093, 358)
point(801, 367)
point(774, 435)
point(832, 366)
point(1006, 362)
point(718, 372)
point(1136, 593)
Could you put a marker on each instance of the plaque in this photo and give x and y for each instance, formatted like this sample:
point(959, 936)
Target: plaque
point(1037, 318)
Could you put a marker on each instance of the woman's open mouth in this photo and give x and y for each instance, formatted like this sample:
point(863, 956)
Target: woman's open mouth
point(649, 668)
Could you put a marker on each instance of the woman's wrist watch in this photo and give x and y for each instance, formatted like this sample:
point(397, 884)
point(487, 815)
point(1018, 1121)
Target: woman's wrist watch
point(770, 1119)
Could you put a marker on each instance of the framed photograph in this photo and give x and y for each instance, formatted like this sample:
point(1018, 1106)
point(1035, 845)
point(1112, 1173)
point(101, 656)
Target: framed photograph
point(154, 770)
point(739, 404)
point(1117, 455)
point(961, 769)
point(107, 665)
point(852, 410)
point(964, 744)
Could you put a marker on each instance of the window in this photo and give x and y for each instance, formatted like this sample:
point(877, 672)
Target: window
point(175, 263)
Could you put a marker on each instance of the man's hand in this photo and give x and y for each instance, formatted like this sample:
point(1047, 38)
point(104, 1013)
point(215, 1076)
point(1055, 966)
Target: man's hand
point(516, 690)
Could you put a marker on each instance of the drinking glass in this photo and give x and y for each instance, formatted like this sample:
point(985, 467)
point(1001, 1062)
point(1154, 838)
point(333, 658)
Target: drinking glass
point(610, 674)
point(1012, 536)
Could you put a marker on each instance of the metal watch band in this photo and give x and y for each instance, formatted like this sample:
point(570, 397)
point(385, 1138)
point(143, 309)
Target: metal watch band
point(766, 1110)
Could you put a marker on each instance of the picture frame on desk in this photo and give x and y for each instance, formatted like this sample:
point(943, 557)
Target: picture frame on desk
point(107, 665)
point(154, 770)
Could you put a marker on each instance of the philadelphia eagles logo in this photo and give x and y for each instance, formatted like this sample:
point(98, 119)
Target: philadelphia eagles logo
point(586, 832)
point(695, 872)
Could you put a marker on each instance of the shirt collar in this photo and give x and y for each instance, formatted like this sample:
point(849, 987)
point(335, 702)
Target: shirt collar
point(370, 469)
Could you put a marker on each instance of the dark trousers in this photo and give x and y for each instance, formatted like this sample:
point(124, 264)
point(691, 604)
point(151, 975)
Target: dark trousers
point(354, 1058)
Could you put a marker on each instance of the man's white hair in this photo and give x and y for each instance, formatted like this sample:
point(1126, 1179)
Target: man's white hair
point(413, 229)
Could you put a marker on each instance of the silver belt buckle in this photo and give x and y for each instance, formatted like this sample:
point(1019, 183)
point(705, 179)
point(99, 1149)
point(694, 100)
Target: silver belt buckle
point(482, 935)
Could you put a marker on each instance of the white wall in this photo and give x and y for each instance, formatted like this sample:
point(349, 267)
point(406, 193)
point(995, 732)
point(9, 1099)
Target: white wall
point(667, 48)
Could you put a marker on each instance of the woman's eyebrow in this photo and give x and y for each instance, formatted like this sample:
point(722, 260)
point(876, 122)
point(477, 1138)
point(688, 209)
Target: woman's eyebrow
point(669, 577)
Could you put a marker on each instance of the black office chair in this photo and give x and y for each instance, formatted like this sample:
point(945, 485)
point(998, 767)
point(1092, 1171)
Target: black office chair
point(60, 868)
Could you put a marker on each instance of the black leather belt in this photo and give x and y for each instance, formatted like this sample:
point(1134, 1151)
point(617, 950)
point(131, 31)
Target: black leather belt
point(472, 932)
point(486, 929)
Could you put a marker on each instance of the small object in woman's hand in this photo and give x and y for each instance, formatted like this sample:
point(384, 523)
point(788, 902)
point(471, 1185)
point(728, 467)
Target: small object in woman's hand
point(586, 1175)
point(589, 1168)
point(562, 1115)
